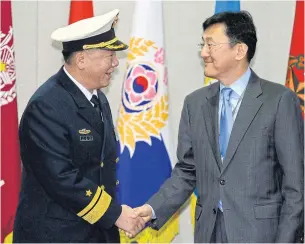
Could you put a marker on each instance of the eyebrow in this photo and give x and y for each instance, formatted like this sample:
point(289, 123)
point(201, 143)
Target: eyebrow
point(208, 38)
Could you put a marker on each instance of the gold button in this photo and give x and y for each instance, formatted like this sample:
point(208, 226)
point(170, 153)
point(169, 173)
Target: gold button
point(102, 164)
point(117, 182)
point(117, 160)
point(103, 187)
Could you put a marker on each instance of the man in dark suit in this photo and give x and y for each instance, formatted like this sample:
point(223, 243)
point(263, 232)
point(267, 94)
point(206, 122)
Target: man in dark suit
point(68, 145)
point(241, 144)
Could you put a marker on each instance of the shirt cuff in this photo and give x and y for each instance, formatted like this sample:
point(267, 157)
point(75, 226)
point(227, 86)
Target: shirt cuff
point(153, 212)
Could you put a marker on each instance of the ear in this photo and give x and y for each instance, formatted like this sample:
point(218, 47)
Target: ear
point(242, 50)
point(80, 60)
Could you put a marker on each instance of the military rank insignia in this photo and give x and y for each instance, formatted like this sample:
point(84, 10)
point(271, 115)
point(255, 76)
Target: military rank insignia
point(85, 135)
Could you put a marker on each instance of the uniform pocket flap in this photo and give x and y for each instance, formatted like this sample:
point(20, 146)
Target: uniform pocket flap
point(267, 211)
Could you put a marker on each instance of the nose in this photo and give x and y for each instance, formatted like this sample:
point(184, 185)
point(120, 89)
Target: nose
point(204, 53)
point(115, 61)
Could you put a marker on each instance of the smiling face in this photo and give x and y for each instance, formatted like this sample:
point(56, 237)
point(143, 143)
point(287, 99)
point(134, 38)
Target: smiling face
point(218, 52)
point(96, 66)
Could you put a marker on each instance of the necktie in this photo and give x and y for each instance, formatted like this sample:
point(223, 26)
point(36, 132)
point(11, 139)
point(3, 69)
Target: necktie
point(97, 105)
point(226, 121)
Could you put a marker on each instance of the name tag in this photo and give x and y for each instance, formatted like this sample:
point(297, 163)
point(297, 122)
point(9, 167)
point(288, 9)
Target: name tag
point(86, 138)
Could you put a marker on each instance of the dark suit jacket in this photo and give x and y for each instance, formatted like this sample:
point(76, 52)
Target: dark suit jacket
point(69, 174)
point(260, 182)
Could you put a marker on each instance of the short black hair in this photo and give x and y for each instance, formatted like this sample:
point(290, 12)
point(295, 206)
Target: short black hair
point(239, 28)
point(67, 56)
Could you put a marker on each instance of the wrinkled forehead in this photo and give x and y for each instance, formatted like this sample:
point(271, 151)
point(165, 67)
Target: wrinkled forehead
point(215, 32)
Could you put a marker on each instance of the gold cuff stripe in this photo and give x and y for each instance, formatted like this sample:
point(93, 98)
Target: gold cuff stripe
point(100, 45)
point(99, 209)
point(92, 203)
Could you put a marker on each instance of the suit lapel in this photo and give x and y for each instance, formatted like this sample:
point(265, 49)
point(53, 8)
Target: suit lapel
point(210, 115)
point(85, 109)
point(92, 117)
point(248, 109)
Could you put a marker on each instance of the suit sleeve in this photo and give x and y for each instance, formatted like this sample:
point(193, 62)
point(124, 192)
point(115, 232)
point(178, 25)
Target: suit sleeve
point(177, 189)
point(46, 152)
point(289, 143)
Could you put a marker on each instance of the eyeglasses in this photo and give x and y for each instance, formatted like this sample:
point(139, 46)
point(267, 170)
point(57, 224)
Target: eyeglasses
point(210, 46)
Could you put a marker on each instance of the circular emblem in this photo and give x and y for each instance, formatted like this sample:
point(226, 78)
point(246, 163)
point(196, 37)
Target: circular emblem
point(7, 68)
point(141, 87)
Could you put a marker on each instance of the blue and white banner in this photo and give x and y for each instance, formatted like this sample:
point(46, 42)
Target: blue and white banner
point(143, 126)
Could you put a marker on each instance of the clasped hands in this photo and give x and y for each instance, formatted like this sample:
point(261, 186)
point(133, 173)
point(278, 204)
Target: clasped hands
point(132, 221)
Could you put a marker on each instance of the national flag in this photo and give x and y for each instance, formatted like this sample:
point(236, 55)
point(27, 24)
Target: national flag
point(143, 126)
point(10, 174)
point(222, 6)
point(80, 10)
point(295, 73)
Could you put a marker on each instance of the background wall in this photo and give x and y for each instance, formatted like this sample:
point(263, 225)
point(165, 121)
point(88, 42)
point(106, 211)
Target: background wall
point(37, 58)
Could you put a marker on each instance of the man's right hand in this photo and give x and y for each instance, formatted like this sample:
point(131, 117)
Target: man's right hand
point(129, 221)
point(144, 211)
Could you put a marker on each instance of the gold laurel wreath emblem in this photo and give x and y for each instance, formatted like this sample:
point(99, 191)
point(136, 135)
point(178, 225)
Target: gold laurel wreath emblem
point(138, 47)
point(135, 127)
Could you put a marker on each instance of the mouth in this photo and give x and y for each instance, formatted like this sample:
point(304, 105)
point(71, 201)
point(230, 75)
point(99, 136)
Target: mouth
point(109, 74)
point(207, 61)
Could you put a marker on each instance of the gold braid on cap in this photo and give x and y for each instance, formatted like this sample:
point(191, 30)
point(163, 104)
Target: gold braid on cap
point(100, 45)
point(116, 47)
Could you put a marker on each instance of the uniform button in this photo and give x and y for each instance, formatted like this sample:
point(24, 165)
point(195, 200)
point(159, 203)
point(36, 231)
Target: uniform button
point(102, 164)
point(103, 187)
point(222, 182)
point(117, 160)
point(117, 182)
point(214, 211)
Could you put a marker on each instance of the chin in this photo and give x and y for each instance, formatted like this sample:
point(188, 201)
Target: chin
point(104, 84)
point(210, 74)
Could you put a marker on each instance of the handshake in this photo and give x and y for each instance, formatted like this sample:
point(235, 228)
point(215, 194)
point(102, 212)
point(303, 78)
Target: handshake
point(132, 221)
